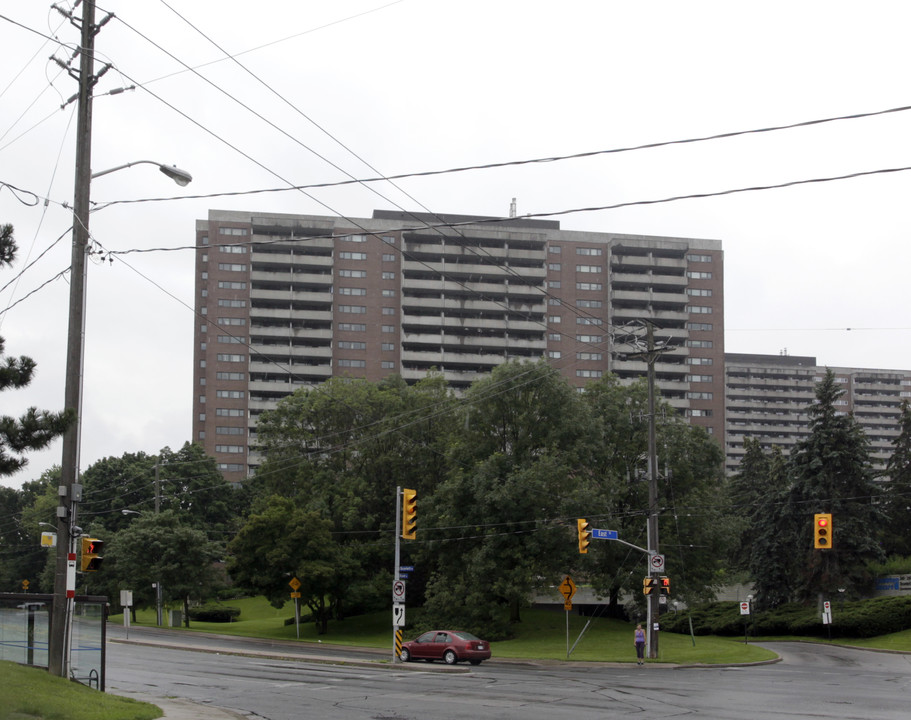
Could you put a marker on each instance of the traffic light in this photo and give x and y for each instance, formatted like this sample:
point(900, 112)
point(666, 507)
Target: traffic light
point(664, 585)
point(584, 529)
point(91, 554)
point(648, 585)
point(409, 514)
point(822, 531)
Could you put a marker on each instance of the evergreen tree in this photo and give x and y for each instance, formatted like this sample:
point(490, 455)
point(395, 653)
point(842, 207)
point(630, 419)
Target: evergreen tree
point(35, 429)
point(831, 472)
point(897, 540)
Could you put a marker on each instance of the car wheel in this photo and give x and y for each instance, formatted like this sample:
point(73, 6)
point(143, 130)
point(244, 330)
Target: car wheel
point(475, 662)
point(450, 658)
point(406, 656)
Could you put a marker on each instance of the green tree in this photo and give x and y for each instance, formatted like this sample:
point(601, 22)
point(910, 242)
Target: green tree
point(897, 497)
point(281, 541)
point(161, 548)
point(34, 429)
point(831, 472)
point(499, 525)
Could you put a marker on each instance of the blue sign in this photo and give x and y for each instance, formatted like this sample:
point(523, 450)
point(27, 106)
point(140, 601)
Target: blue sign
point(604, 534)
point(406, 568)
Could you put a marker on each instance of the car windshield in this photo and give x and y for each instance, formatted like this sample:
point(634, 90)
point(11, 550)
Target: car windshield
point(466, 635)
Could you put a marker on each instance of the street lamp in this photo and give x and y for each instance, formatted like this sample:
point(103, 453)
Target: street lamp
point(70, 490)
point(181, 177)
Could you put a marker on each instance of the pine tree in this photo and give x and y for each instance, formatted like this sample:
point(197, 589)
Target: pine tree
point(897, 540)
point(35, 429)
point(831, 472)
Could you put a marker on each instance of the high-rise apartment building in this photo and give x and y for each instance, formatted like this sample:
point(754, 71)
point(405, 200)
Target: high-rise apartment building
point(288, 301)
point(767, 397)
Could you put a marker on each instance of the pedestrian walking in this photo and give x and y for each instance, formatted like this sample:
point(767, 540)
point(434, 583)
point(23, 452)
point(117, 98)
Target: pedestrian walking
point(639, 637)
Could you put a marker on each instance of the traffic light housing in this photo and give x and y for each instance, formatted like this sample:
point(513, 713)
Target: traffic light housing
point(648, 585)
point(664, 585)
point(822, 531)
point(409, 514)
point(91, 554)
point(584, 529)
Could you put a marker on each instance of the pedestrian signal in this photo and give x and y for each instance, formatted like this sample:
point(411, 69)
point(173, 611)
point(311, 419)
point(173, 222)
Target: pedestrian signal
point(648, 585)
point(664, 585)
point(91, 554)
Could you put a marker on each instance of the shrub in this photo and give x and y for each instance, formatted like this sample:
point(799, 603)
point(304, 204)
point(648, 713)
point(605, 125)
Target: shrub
point(214, 613)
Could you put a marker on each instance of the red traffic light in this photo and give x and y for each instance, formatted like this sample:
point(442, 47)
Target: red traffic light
point(822, 522)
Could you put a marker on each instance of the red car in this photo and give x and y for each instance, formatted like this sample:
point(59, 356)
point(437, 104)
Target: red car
point(450, 646)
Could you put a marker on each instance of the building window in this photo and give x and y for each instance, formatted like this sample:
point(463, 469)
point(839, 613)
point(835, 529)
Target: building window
point(388, 293)
point(228, 430)
point(233, 231)
point(351, 345)
point(589, 268)
point(224, 302)
point(555, 267)
point(230, 394)
point(205, 275)
point(588, 251)
point(554, 354)
point(231, 339)
point(388, 311)
point(388, 275)
point(588, 321)
point(236, 249)
point(225, 357)
point(352, 273)
point(554, 337)
point(230, 412)
point(588, 339)
point(229, 376)
point(695, 412)
point(346, 255)
point(699, 309)
point(354, 238)
point(700, 396)
point(698, 326)
point(389, 239)
point(232, 321)
point(588, 356)
point(554, 319)
point(588, 373)
point(229, 448)
point(554, 249)
point(699, 361)
point(231, 285)
point(230, 467)
point(555, 284)
point(388, 328)
point(202, 381)
point(554, 301)
point(356, 309)
point(588, 286)
point(387, 364)
point(699, 292)
point(388, 257)
point(352, 291)
point(699, 258)
point(698, 378)
point(352, 363)
point(353, 327)
point(588, 303)
point(386, 347)
point(232, 267)
point(700, 343)
point(698, 275)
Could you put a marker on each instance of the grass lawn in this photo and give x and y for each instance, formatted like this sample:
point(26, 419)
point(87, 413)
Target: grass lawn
point(28, 693)
point(540, 635)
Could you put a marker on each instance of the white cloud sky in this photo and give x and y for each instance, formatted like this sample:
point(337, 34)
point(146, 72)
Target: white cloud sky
point(422, 85)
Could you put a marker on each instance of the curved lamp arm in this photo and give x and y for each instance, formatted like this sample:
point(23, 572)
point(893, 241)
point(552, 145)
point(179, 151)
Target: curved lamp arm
point(181, 177)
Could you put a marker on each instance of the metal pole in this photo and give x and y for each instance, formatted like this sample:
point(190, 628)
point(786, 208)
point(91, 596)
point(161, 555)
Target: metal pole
point(158, 613)
point(652, 492)
point(58, 642)
point(398, 559)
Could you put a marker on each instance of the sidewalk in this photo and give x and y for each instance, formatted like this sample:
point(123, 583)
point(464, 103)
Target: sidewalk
point(180, 709)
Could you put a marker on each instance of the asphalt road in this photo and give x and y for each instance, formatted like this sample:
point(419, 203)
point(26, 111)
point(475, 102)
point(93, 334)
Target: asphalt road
point(279, 683)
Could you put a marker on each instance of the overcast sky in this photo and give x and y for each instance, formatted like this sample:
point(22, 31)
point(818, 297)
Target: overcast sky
point(418, 85)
